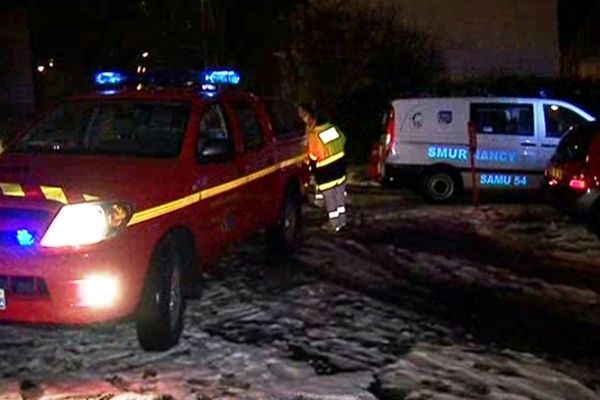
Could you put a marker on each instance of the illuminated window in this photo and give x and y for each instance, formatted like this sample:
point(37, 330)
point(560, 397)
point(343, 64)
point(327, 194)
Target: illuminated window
point(503, 118)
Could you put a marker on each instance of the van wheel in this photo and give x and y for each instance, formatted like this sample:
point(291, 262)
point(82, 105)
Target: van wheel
point(283, 237)
point(440, 187)
point(160, 318)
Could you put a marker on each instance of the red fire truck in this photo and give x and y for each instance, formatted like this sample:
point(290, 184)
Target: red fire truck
point(111, 203)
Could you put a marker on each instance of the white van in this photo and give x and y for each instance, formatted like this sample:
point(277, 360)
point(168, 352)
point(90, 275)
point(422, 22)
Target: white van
point(426, 143)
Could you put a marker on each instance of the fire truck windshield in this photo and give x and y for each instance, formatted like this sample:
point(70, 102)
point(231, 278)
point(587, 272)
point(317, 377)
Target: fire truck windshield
point(128, 128)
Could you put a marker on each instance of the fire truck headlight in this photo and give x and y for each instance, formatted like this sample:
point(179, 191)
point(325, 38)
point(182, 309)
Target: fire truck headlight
point(98, 291)
point(85, 224)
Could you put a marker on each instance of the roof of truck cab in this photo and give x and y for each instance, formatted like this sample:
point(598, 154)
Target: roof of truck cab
point(193, 95)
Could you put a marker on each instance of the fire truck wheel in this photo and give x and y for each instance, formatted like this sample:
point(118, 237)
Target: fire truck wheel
point(283, 237)
point(160, 319)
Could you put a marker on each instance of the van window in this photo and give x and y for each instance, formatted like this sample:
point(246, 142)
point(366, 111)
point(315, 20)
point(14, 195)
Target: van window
point(574, 145)
point(559, 120)
point(503, 118)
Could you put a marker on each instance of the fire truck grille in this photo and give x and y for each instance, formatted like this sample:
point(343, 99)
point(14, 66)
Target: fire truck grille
point(24, 286)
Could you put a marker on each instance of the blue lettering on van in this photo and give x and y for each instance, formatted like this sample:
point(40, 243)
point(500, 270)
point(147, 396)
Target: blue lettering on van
point(502, 180)
point(458, 154)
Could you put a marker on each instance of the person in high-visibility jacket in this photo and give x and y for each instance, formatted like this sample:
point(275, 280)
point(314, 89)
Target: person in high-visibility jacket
point(326, 152)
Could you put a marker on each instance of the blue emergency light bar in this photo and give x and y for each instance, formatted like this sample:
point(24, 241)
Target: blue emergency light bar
point(110, 78)
point(210, 80)
point(221, 77)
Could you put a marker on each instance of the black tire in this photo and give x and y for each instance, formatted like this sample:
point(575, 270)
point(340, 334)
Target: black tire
point(283, 238)
point(441, 187)
point(159, 321)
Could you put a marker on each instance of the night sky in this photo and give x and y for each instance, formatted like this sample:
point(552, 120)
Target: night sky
point(81, 28)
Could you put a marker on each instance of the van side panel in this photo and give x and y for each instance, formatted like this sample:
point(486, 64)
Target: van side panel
point(432, 133)
point(422, 123)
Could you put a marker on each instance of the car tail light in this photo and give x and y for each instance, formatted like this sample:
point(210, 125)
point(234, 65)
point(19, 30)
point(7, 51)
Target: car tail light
point(390, 132)
point(578, 183)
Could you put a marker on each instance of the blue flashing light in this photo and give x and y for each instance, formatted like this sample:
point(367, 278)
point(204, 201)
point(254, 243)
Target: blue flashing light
point(25, 238)
point(208, 93)
point(107, 78)
point(221, 77)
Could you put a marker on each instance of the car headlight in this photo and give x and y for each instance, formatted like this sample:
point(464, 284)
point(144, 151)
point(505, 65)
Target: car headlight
point(85, 224)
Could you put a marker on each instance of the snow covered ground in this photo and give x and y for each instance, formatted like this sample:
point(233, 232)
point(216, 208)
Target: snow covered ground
point(413, 301)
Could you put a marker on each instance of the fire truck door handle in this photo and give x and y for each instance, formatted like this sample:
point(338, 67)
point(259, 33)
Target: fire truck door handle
point(525, 144)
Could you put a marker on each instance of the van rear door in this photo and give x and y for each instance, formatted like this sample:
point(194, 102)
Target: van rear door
point(507, 152)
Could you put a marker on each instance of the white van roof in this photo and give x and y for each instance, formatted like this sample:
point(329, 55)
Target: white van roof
point(483, 99)
point(453, 101)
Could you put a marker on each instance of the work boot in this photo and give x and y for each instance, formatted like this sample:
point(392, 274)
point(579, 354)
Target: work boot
point(343, 221)
point(331, 226)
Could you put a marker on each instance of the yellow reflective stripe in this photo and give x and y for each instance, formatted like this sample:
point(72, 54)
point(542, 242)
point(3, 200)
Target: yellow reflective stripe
point(332, 184)
point(163, 209)
point(292, 161)
point(331, 159)
point(217, 190)
point(155, 212)
point(54, 194)
point(12, 189)
point(89, 197)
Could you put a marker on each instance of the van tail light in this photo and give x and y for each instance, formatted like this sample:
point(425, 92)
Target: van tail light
point(578, 183)
point(390, 132)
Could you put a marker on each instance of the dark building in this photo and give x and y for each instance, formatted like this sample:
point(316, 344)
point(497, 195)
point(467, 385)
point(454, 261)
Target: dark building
point(16, 76)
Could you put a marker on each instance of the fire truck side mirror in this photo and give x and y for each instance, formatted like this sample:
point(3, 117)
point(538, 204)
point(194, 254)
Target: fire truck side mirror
point(212, 151)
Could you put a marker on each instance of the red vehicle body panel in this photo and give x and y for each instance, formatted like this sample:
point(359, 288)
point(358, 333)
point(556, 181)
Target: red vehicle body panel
point(219, 204)
point(574, 184)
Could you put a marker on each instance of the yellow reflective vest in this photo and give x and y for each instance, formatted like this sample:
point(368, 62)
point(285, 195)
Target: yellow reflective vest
point(326, 144)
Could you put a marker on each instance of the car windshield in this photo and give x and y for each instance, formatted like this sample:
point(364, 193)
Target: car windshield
point(574, 145)
point(143, 129)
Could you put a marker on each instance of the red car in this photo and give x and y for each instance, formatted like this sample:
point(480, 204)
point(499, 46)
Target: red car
point(573, 174)
point(111, 203)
